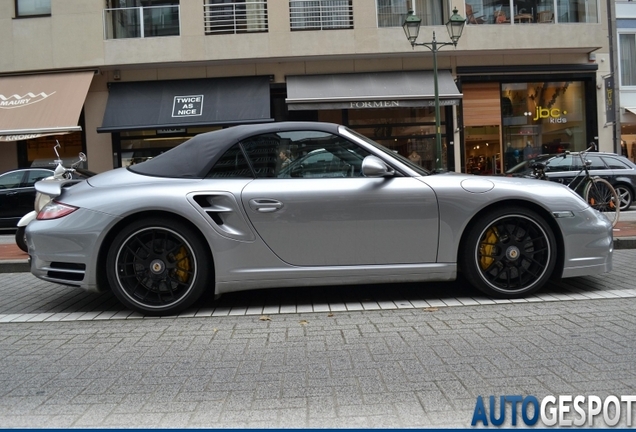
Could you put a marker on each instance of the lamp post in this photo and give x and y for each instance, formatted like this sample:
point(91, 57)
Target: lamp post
point(455, 26)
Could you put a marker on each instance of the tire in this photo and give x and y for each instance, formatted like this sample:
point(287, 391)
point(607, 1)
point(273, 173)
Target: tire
point(20, 239)
point(509, 253)
point(602, 196)
point(158, 266)
point(625, 196)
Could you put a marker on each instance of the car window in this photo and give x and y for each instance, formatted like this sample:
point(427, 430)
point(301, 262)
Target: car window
point(11, 180)
point(615, 163)
point(559, 164)
point(37, 175)
point(303, 154)
point(231, 165)
point(597, 162)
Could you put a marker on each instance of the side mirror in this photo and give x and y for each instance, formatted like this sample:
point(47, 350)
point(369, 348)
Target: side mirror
point(373, 166)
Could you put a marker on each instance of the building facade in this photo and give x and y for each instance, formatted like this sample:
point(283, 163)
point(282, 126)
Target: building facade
point(125, 80)
point(626, 53)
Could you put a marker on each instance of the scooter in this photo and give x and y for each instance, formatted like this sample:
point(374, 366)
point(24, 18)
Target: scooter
point(61, 174)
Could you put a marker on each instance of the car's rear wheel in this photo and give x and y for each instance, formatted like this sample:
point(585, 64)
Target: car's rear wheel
point(157, 266)
point(509, 253)
point(20, 238)
point(625, 196)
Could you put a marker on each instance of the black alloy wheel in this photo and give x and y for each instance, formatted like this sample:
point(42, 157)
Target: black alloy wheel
point(158, 267)
point(510, 253)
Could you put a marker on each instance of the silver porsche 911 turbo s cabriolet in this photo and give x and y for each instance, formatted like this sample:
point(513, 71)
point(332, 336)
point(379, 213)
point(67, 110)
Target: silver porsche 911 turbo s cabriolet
point(305, 204)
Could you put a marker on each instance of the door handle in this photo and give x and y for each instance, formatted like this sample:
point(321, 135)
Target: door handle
point(265, 205)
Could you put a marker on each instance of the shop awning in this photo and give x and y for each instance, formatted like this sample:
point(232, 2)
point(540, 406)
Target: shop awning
point(186, 103)
point(32, 106)
point(631, 110)
point(370, 90)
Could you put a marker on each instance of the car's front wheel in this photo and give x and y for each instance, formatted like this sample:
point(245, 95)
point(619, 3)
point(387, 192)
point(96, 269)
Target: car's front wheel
point(157, 266)
point(509, 253)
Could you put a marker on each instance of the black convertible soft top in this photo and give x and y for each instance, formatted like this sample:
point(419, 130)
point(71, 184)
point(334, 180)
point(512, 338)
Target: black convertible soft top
point(195, 157)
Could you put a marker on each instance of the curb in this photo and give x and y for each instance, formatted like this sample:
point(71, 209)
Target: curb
point(14, 266)
point(22, 266)
point(625, 243)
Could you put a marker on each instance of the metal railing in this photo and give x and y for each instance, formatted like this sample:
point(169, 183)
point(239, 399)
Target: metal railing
point(142, 22)
point(320, 14)
point(238, 17)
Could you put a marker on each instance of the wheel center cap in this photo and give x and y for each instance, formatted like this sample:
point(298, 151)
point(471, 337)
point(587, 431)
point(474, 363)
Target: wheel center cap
point(157, 266)
point(512, 253)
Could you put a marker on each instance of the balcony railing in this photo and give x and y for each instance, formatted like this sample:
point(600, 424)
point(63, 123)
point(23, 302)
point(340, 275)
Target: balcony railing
point(141, 22)
point(238, 17)
point(320, 14)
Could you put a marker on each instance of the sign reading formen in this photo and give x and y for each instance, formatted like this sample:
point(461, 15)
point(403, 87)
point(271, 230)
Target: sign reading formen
point(187, 106)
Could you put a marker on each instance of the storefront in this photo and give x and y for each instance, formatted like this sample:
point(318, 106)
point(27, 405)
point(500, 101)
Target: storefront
point(38, 110)
point(509, 119)
point(395, 109)
point(628, 133)
point(147, 118)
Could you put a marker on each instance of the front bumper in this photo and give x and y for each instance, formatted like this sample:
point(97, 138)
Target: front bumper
point(588, 239)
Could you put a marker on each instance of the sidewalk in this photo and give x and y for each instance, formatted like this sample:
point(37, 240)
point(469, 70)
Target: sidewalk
point(13, 260)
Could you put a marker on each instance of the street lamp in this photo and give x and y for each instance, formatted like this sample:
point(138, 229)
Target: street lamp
point(455, 26)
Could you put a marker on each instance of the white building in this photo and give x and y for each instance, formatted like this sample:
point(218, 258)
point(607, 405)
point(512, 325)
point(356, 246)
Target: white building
point(140, 76)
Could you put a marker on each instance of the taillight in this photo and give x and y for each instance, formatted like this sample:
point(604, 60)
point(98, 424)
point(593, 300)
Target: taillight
point(55, 210)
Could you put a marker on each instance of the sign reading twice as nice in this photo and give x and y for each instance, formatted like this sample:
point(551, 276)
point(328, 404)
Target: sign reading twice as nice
point(187, 106)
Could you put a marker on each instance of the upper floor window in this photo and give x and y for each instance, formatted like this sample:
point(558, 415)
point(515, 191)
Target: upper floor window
point(320, 14)
point(238, 16)
point(531, 11)
point(141, 19)
point(27, 8)
point(391, 13)
point(627, 56)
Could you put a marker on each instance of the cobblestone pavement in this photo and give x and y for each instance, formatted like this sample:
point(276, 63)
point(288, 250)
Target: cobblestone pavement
point(287, 366)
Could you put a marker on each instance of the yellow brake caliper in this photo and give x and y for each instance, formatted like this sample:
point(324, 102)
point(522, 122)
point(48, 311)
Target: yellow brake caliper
point(183, 264)
point(487, 247)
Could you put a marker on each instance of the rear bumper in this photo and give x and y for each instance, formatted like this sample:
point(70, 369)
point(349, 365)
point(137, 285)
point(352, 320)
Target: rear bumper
point(65, 250)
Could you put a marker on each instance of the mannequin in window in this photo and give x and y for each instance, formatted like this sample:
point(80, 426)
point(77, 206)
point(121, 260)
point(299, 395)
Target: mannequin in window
point(415, 157)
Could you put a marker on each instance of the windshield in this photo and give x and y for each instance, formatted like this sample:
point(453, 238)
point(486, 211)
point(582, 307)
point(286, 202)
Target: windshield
point(390, 152)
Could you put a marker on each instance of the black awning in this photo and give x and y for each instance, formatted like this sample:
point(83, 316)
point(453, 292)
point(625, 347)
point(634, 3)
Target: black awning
point(370, 90)
point(186, 103)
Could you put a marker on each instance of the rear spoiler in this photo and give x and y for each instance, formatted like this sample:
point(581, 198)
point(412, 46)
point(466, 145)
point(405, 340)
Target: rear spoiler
point(53, 187)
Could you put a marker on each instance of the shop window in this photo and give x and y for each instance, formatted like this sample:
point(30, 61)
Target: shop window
point(409, 132)
point(233, 17)
point(544, 117)
point(32, 8)
point(141, 19)
point(320, 14)
point(391, 13)
point(627, 55)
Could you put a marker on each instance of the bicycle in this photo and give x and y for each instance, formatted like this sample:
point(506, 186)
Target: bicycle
point(597, 192)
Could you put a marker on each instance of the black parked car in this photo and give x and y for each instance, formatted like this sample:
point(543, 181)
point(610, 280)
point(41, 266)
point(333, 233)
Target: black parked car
point(17, 193)
point(618, 170)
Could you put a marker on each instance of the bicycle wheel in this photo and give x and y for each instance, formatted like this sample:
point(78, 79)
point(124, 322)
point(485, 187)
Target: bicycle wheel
point(600, 194)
